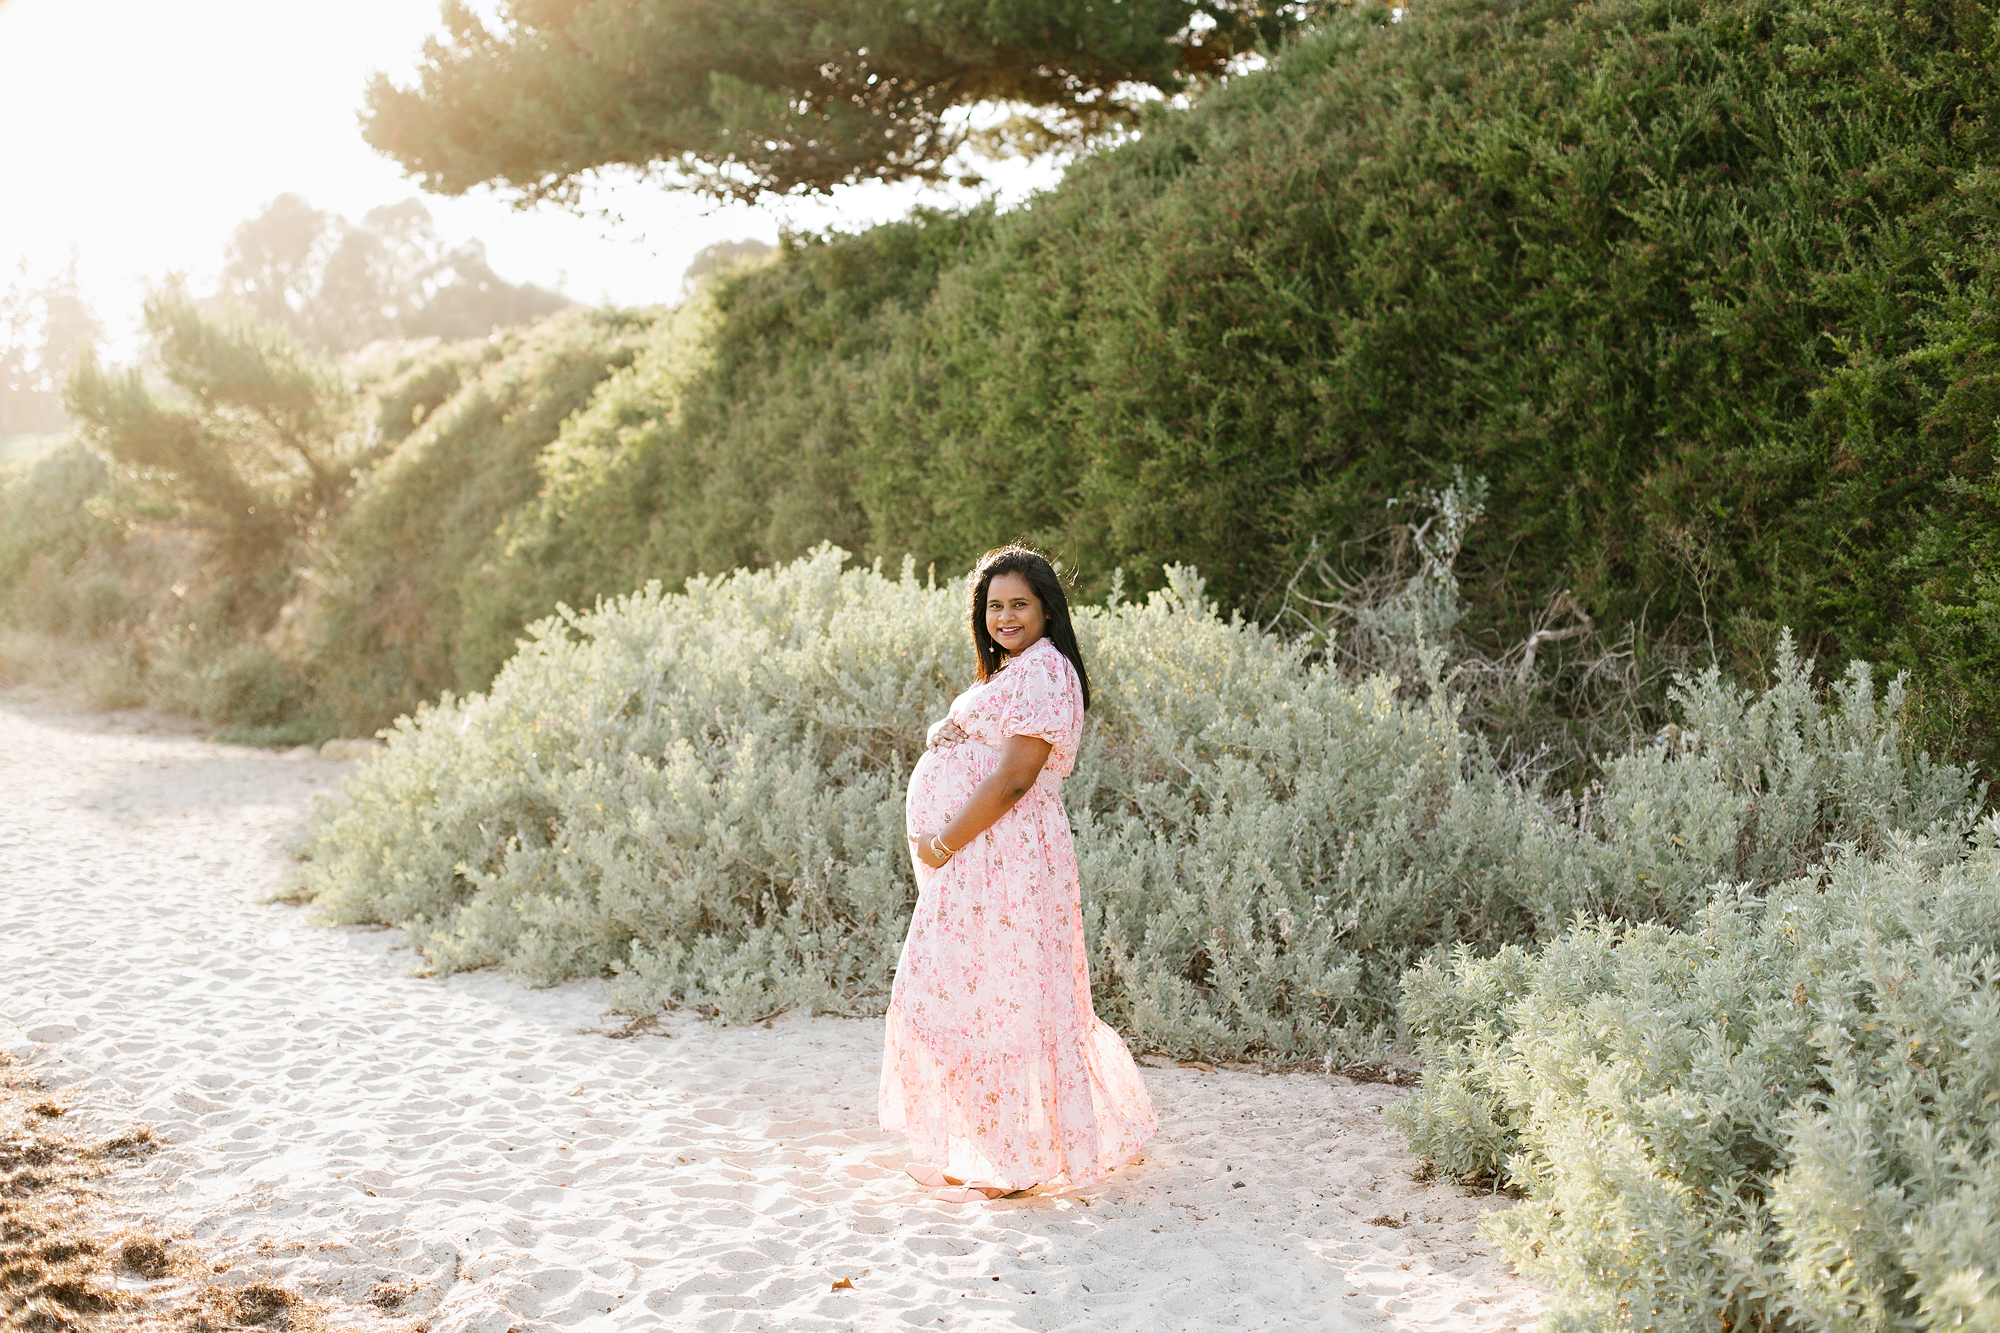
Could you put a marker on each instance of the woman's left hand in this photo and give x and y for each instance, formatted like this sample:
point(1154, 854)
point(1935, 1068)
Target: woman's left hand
point(922, 842)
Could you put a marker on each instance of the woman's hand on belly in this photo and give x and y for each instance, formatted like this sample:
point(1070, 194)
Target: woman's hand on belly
point(922, 843)
point(945, 733)
point(1020, 763)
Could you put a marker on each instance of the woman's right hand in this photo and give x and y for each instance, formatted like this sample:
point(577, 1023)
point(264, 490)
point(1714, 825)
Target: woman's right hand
point(945, 733)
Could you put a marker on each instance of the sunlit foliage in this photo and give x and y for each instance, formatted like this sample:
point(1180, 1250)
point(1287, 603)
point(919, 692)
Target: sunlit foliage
point(419, 541)
point(1785, 1116)
point(737, 98)
point(1705, 288)
point(46, 525)
point(248, 440)
point(701, 793)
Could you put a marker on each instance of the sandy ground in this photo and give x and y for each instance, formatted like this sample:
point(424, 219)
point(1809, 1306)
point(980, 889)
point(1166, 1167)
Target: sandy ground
point(468, 1154)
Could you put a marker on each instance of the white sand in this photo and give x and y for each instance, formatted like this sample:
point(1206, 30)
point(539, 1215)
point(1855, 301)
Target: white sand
point(345, 1127)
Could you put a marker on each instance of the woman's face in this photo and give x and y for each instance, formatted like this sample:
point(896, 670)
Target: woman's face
point(1014, 615)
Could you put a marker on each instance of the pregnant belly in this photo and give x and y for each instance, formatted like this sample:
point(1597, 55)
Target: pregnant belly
point(942, 782)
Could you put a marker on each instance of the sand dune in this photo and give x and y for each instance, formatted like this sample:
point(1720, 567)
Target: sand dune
point(473, 1155)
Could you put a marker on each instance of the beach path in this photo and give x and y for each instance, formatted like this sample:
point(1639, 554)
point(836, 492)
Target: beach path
point(469, 1154)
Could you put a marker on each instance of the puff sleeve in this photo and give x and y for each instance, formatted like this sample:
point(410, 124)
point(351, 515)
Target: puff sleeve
point(1046, 701)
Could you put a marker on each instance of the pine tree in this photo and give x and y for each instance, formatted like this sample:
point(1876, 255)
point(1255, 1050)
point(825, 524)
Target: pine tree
point(736, 98)
point(245, 440)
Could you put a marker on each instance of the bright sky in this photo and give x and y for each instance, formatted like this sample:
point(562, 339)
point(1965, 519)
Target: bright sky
point(139, 134)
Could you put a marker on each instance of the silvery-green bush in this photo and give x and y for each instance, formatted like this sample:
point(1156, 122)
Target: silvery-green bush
point(700, 794)
point(1785, 1116)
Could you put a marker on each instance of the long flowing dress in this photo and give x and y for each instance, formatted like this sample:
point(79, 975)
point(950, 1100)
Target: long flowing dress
point(996, 1066)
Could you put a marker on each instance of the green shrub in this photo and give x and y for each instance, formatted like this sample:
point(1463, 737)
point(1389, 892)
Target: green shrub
point(1785, 1116)
point(46, 520)
point(248, 684)
point(234, 431)
point(699, 788)
point(702, 791)
point(101, 605)
point(736, 438)
point(470, 425)
point(407, 388)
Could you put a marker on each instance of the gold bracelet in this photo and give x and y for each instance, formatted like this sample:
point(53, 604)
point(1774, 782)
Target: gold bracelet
point(940, 848)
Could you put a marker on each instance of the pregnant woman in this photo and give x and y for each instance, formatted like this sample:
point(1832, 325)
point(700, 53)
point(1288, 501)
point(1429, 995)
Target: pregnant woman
point(996, 1067)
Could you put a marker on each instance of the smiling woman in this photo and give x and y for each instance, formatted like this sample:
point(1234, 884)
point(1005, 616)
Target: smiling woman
point(997, 1067)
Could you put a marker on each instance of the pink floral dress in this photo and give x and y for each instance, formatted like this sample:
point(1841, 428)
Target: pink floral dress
point(996, 1067)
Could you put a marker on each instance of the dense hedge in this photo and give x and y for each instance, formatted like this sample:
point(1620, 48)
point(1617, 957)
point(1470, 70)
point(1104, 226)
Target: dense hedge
point(1704, 287)
point(734, 441)
point(465, 429)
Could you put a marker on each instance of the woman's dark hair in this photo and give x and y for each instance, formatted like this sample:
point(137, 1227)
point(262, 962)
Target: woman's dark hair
point(1041, 577)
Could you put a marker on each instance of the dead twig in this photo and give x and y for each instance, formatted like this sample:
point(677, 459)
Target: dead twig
point(1563, 602)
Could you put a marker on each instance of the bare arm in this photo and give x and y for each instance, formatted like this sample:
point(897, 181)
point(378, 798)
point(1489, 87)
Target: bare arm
point(1021, 760)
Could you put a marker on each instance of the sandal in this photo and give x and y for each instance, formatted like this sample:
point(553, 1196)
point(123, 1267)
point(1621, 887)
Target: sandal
point(976, 1192)
point(929, 1176)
